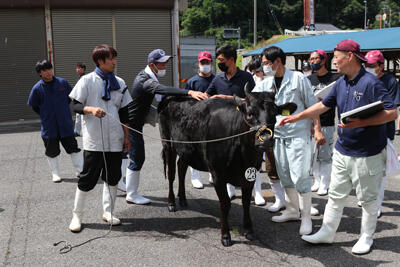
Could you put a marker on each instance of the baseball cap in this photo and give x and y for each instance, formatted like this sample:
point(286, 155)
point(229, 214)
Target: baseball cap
point(204, 55)
point(322, 53)
point(350, 46)
point(157, 55)
point(374, 56)
point(306, 66)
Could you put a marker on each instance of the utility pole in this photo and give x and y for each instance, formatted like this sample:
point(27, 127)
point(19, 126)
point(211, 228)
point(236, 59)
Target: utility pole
point(255, 24)
point(365, 14)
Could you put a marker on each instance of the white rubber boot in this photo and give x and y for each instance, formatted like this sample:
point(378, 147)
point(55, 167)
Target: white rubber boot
point(381, 195)
point(132, 185)
point(77, 212)
point(325, 174)
point(258, 197)
point(368, 225)
point(316, 174)
point(332, 216)
point(291, 213)
point(196, 178)
point(210, 179)
point(122, 182)
point(231, 190)
point(305, 210)
point(77, 161)
point(55, 169)
point(109, 198)
point(279, 196)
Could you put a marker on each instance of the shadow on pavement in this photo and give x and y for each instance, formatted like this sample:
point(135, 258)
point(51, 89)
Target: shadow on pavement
point(278, 237)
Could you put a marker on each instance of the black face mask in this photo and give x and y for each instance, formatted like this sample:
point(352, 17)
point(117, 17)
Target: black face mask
point(222, 66)
point(316, 67)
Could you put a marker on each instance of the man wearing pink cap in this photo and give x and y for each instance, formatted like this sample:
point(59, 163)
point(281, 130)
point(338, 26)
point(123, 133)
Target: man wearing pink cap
point(375, 65)
point(357, 162)
point(200, 82)
point(323, 164)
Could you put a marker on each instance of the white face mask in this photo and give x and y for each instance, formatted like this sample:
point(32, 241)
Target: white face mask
point(160, 73)
point(257, 79)
point(205, 69)
point(307, 73)
point(268, 71)
point(371, 70)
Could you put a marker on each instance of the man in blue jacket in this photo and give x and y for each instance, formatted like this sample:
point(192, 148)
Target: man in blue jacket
point(49, 99)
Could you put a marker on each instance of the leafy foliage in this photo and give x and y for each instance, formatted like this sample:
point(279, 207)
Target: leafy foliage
point(210, 17)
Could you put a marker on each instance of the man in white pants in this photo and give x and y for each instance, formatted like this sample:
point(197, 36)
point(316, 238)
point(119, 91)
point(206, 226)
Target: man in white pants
point(376, 64)
point(292, 148)
point(357, 162)
point(323, 163)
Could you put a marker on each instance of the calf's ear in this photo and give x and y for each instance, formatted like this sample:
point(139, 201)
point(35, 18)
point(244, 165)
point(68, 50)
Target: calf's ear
point(287, 109)
point(240, 104)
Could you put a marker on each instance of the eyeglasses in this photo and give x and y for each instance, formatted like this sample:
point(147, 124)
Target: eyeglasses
point(267, 63)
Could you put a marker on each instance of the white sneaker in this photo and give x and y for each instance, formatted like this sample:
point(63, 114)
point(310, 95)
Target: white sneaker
point(56, 178)
point(210, 179)
point(322, 192)
point(197, 184)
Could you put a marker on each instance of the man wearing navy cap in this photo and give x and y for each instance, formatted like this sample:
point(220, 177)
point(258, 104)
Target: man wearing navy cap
point(357, 161)
point(145, 86)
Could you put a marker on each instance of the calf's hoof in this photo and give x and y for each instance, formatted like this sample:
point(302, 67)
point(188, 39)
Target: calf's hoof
point(226, 242)
point(183, 202)
point(171, 208)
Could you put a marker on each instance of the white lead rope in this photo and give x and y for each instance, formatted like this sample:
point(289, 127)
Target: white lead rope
point(182, 142)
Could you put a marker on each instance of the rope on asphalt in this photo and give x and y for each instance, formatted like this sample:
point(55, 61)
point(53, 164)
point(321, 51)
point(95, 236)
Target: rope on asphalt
point(68, 247)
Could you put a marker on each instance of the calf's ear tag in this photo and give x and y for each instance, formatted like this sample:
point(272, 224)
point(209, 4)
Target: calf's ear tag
point(285, 112)
point(237, 108)
point(250, 174)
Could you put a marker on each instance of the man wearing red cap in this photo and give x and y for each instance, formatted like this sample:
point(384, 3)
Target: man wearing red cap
point(200, 82)
point(375, 65)
point(357, 162)
point(323, 164)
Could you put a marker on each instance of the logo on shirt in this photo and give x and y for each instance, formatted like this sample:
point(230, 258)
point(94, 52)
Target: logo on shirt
point(63, 89)
point(358, 95)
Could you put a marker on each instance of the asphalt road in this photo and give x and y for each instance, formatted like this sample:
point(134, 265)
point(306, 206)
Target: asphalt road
point(35, 213)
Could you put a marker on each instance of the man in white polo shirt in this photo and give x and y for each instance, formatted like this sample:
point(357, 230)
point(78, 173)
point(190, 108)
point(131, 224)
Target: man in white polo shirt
point(101, 97)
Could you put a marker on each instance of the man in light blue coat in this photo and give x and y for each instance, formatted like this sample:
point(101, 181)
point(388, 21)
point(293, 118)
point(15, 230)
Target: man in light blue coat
point(292, 148)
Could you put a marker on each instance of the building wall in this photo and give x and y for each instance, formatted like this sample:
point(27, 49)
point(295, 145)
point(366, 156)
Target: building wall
point(134, 31)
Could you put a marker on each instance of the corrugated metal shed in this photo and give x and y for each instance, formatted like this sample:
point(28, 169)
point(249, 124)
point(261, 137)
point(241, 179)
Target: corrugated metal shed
point(383, 39)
